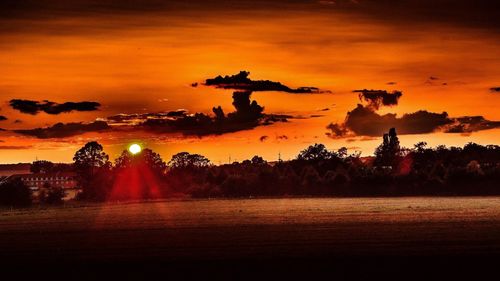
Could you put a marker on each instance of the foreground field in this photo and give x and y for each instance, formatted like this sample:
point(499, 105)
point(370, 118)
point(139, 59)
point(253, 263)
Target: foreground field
point(273, 229)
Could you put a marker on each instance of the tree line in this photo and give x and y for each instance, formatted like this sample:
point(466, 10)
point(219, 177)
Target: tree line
point(316, 171)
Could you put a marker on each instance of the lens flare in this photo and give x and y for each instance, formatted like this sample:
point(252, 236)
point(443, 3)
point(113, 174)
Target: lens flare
point(134, 148)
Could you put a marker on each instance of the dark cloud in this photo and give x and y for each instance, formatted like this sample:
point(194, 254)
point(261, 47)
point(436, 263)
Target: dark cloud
point(392, 83)
point(246, 111)
point(85, 8)
point(241, 81)
point(61, 130)
point(376, 98)
point(263, 138)
point(495, 89)
point(56, 17)
point(3, 118)
point(248, 114)
point(464, 13)
point(282, 137)
point(31, 15)
point(471, 124)
point(337, 130)
point(364, 121)
point(49, 107)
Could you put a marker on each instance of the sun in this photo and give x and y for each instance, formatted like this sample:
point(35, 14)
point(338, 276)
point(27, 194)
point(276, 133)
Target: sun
point(134, 148)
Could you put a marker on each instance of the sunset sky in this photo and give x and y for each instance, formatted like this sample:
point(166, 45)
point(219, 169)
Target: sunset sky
point(112, 65)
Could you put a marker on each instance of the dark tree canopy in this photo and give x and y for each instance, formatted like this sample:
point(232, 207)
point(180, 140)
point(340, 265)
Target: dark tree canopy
point(187, 160)
point(257, 160)
point(92, 167)
point(389, 152)
point(51, 194)
point(41, 166)
point(91, 155)
point(315, 152)
point(147, 158)
point(15, 193)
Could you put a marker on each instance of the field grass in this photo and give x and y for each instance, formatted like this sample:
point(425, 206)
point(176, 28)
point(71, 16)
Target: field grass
point(254, 229)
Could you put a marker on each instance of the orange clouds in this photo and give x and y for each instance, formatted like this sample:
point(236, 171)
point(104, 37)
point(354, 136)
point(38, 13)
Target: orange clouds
point(129, 60)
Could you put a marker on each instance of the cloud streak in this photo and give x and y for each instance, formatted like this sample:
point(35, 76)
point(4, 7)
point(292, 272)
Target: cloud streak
point(34, 107)
point(62, 130)
point(15, 147)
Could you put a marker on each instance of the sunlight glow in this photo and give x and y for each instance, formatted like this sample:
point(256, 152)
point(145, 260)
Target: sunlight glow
point(134, 148)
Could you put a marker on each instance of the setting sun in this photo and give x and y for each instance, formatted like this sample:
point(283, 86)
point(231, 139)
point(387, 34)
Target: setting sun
point(134, 148)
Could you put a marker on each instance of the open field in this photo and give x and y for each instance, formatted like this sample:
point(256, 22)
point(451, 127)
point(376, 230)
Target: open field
point(182, 232)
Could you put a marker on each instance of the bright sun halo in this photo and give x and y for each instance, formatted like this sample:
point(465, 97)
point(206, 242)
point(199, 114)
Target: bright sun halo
point(134, 148)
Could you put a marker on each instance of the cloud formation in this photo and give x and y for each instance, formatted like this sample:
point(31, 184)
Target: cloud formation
point(364, 121)
point(248, 114)
point(241, 81)
point(61, 130)
point(377, 98)
point(495, 89)
point(49, 107)
point(469, 124)
point(3, 118)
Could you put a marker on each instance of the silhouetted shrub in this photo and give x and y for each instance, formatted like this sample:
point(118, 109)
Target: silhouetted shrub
point(15, 193)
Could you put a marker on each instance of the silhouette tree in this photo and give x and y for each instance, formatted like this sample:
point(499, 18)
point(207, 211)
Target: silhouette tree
point(41, 166)
point(51, 194)
point(15, 193)
point(420, 146)
point(147, 158)
point(92, 167)
point(186, 160)
point(342, 152)
point(472, 170)
point(123, 161)
point(90, 157)
point(389, 152)
point(257, 160)
point(138, 176)
point(315, 152)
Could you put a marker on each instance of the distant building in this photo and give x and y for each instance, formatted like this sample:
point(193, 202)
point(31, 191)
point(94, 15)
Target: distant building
point(66, 180)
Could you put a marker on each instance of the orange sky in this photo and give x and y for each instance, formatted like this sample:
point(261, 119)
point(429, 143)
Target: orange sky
point(138, 63)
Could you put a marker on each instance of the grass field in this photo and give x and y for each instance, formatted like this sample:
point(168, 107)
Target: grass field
point(254, 229)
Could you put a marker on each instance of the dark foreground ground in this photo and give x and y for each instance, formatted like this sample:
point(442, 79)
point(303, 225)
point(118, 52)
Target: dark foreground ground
point(331, 239)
